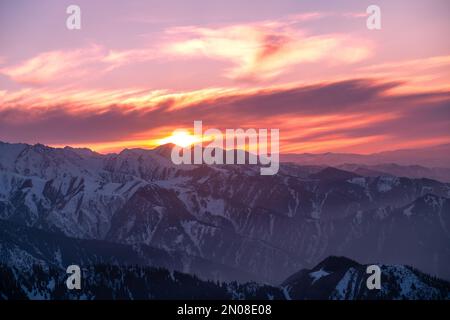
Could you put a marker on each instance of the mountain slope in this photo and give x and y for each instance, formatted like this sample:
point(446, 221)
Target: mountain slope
point(24, 247)
point(107, 282)
point(339, 278)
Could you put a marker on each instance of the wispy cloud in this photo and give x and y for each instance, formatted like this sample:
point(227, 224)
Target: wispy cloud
point(418, 75)
point(62, 65)
point(53, 66)
point(265, 50)
point(254, 51)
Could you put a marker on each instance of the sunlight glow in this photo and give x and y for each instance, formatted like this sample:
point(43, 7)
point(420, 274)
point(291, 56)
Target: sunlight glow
point(181, 138)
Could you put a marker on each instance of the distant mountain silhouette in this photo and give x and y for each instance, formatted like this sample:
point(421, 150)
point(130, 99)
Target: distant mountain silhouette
point(433, 157)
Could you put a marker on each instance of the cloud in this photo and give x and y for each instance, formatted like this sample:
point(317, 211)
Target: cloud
point(60, 66)
point(321, 117)
point(306, 16)
point(265, 50)
point(253, 51)
point(419, 75)
point(53, 65)
point(118, 58)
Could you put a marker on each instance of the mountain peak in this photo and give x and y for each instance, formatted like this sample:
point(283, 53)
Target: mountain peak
point(335, 263)
point(164, 150)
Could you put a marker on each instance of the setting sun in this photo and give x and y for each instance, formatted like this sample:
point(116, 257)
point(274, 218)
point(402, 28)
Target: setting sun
point(181, 138)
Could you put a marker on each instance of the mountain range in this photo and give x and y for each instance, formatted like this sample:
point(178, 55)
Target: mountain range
point(62, 206)
point(434, 157)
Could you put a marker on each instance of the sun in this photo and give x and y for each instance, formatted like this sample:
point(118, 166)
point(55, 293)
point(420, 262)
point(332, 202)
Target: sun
point(181, 138)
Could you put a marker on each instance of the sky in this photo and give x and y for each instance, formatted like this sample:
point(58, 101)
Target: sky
point(138, 70)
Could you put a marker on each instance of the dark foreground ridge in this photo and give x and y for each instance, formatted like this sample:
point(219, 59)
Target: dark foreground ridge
point(335, 278)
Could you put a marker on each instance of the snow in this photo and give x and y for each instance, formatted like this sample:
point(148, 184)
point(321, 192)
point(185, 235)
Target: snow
point(345, 287)
point(17, 257)
point(51, 284)
point(215, 206)
point(34, 294)
point(286, 293)
point(317, 207)
point(191, 228)
point(85, 190)
point(381, 213)
point(386, 183)
point(358, 217)
point(292, 210)
point(411, 287)
point(408, 211)
point(316, 275)
point(433, 201)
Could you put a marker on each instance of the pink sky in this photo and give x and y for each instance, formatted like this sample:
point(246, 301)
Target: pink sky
point(137, 70)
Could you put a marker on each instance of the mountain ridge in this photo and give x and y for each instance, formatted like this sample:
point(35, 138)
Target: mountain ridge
point(337, 278)
point(307, 157)
point(266, 226)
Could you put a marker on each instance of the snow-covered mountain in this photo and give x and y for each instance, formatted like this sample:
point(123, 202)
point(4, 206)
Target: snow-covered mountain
point(339, 278)
point(265, 227)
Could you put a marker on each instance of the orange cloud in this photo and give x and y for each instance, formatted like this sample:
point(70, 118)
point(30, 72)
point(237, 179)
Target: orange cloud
point(356, 114)
point(94, 100)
